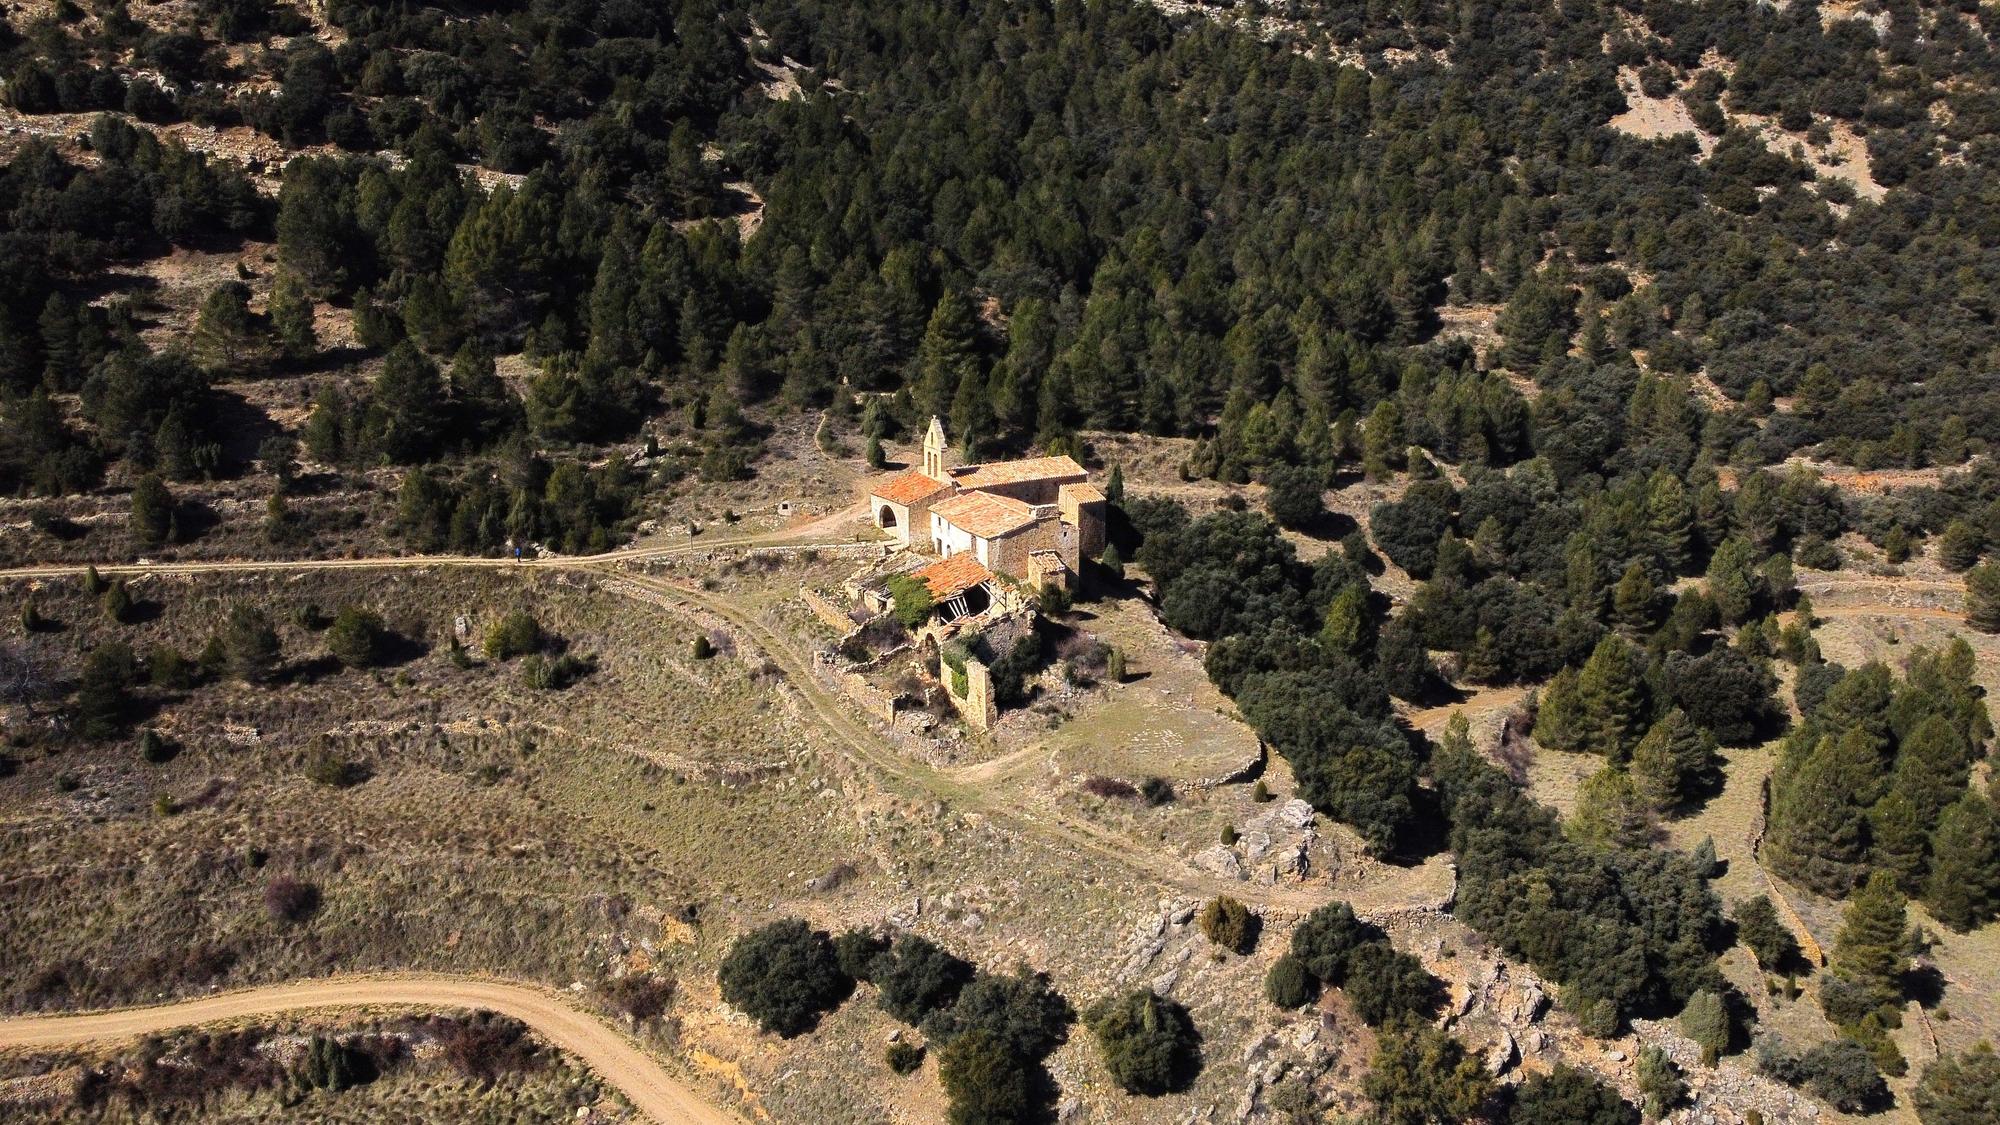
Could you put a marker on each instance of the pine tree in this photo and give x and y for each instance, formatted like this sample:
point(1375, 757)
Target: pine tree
point(250, 645)
point(1733, 582)
point(1897, 842)
point(1348, 626)
point(1964, 888)
point(1489, 545)
point(947, 353)
point(152, 522)
point(1609, 811)
point(62, 366)
point(405, 418)
point(1672, 763)
point(1896, 546)
point(1814, 834)
point(1867, 960)
point(1634, 599)
point(1960, 545)
point(224, 334)
point(1670, 519)
point(742, 367)
point(1611, 700)
point(1706, 1020)
point(1382, 441)
point(1982, 597)
point(1484, 661)
point(1559, 713)
point(1114, 485)
point(291, 314)
point(971, 412)
point(1932, 765)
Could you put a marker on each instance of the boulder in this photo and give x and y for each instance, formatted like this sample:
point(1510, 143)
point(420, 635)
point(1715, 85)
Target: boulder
point(1219, 860)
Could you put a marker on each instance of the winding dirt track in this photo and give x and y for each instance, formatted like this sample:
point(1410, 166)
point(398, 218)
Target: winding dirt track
point(609, 1053)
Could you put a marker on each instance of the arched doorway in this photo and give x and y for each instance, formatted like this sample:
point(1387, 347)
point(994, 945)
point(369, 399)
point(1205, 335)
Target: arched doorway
point(886, 518)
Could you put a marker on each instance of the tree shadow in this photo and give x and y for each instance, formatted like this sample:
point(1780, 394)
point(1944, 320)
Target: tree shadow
point(313, 669)
point(240, 427)
point(399, 649)
point(1424, 834)
point(193, 519)
point(1925, 984)
point(1330, 526)
point(59, 527)
point(326, 360)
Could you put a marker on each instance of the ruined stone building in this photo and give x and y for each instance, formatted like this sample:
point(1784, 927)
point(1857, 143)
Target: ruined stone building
point(1033, 520)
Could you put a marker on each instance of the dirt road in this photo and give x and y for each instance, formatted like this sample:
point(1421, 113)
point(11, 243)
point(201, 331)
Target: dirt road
point(811, 534)
point(609, 1053)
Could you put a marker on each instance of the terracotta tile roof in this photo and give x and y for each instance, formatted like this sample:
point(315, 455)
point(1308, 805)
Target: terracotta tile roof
point(1084, 493)
point(954, 575)
point(1016, 472)
point(984, 514)
point(909, 488)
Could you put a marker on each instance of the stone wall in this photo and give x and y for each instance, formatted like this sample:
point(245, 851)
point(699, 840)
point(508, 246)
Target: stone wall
point(976, 705)
point(823, 608)
point(1043, 535)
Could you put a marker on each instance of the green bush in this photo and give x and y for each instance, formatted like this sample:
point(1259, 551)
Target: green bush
point(1327, 938)
point(516, 634)
point(1760, 929)
point(917, 977)
point(333, 1066)
point(1960, 1089)
point(784, 976)
point(117, 602)
point(154, 748)
point(357, 638)
point(987, 1084)
point(1569, 1097)
point(859, 951)
point(1420, 1074)
point(331, 770)
point(1149, 1044)
point(1289, 985)
point(547, 673)
point(1384, 984)
point(913, 601)
point(1021, 1009)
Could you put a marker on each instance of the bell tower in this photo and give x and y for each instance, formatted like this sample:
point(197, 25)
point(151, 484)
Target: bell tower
point(934, 450)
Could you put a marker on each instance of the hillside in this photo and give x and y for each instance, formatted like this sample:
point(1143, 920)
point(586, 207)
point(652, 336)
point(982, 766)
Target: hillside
point(1548, 463)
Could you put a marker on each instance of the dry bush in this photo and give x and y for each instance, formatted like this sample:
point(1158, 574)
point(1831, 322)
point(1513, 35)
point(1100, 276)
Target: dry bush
point(486, 1046)
point(642, 996)
point(1110, 787)
point(290, 900)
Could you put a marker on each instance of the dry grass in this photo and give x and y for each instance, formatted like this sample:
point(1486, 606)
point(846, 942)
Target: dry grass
point(551, 837)
point(240, 1075)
